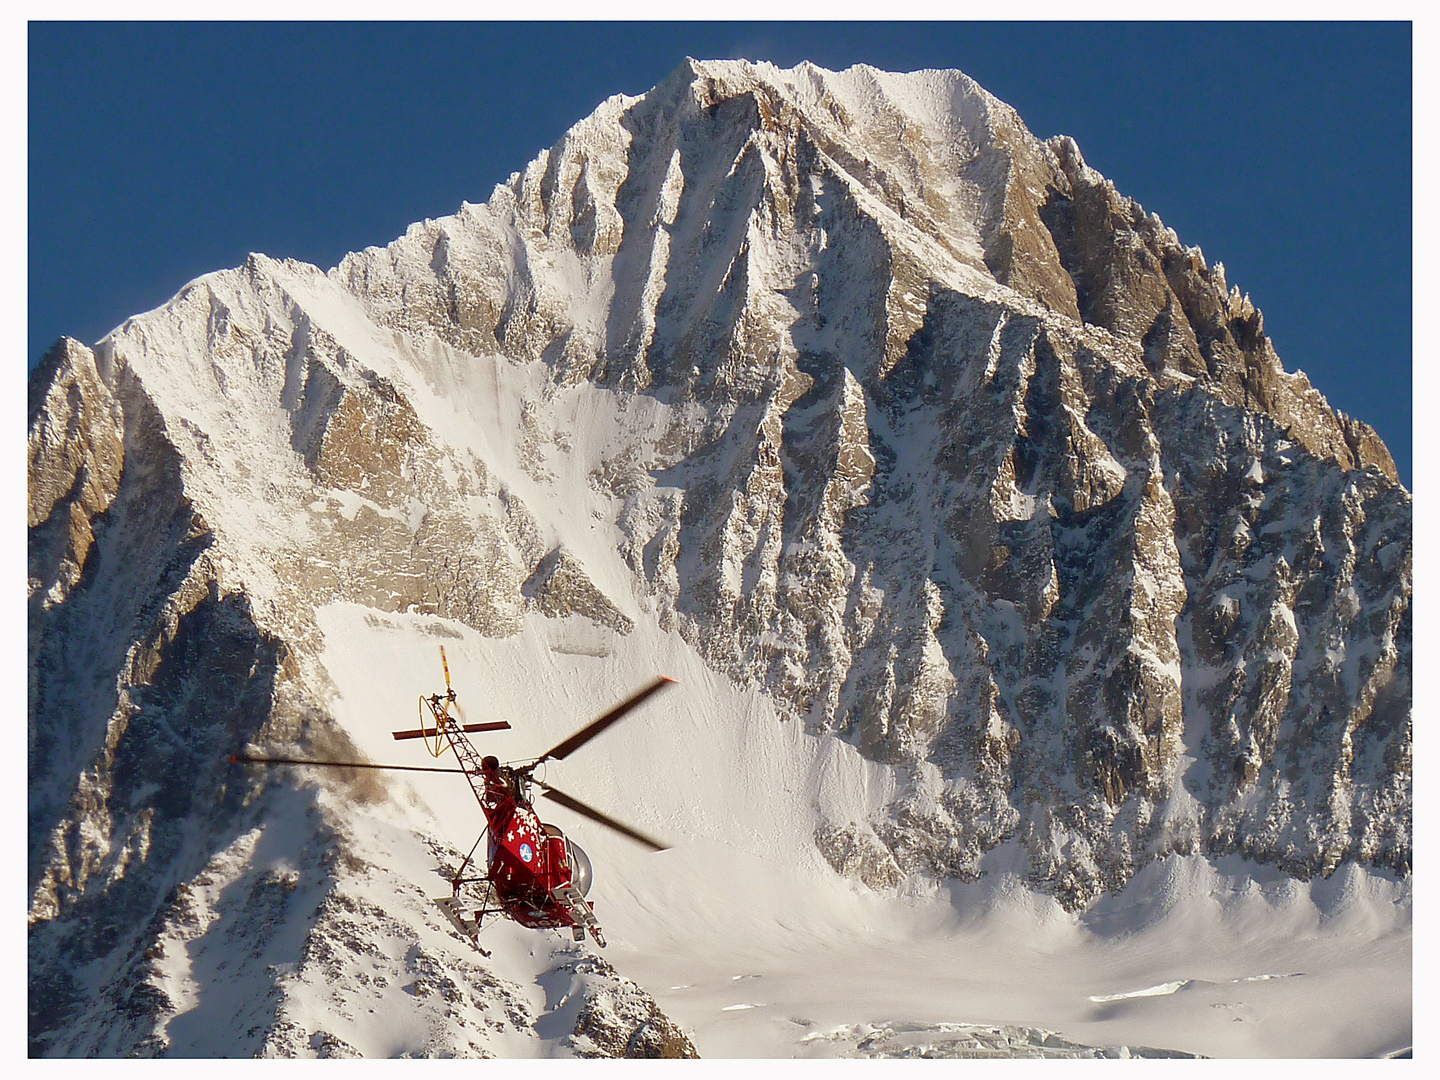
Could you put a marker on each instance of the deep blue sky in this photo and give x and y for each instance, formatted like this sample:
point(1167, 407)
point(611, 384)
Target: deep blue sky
point(158, 152)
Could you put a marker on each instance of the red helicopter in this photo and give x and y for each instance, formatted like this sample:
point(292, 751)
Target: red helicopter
point(534, 873)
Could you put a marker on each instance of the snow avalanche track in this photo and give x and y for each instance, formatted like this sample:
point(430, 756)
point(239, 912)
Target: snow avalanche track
point(747, 938)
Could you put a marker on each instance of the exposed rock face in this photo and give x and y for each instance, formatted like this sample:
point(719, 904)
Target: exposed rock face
point(990, 474)
point(559, 587)
point(855, 851)
point(615, 1018)
point(912, 419)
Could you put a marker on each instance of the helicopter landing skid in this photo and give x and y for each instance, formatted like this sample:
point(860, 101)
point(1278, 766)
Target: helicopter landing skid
point(583, 913)
point(468, 928)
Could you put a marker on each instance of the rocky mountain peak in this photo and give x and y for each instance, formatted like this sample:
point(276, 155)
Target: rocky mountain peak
point(877, 403)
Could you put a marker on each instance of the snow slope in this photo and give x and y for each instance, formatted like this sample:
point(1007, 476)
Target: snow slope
point(747, 938)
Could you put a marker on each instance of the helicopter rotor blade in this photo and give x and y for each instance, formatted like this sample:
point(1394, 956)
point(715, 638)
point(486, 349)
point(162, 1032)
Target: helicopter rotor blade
point(250, 759)
point(585, 734)
point(555, 794)
point(572, 803)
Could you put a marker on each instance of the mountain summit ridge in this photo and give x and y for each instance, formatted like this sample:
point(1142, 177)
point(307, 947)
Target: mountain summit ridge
point(877, 402)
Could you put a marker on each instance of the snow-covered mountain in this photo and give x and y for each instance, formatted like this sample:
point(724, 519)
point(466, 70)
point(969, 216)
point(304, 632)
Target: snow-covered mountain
point(992, 546)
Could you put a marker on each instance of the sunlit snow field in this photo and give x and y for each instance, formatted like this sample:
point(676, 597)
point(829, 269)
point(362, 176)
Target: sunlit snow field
point(752, 943)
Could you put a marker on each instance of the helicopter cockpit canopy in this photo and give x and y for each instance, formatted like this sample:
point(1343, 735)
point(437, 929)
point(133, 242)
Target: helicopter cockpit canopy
point(580, 865)
point(581, 874)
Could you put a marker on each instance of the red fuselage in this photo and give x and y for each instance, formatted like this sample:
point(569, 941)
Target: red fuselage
point(528, 860)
